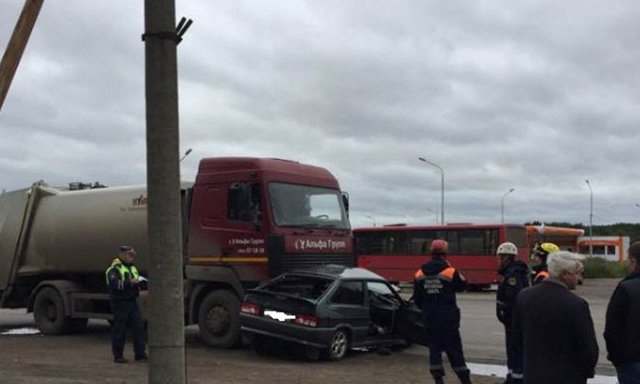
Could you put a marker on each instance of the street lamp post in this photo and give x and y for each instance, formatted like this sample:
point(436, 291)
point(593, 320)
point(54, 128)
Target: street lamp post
point(187, 152)
point(502, 203)
point(441, 186)
point(590, 218)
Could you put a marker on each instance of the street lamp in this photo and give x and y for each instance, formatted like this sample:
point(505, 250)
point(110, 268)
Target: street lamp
point(637, 205)
point(502, 203)
point(590, 218)
point(441, 187)
point(372, 218)
point(188, 151)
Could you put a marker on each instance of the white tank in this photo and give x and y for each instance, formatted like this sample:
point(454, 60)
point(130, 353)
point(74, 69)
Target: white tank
point(81, 231)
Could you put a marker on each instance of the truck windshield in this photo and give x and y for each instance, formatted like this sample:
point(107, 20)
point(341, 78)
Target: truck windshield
point(296, 205)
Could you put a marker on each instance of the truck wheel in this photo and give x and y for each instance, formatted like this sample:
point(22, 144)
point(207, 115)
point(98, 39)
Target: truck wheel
point(219, 320)
point(339, 345)
point(48, 312)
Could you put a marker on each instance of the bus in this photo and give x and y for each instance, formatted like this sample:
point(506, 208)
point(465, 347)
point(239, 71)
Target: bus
point(566, 238)
point(397, 251)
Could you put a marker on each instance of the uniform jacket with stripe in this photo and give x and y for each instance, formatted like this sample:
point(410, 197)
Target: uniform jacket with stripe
point(435, 293)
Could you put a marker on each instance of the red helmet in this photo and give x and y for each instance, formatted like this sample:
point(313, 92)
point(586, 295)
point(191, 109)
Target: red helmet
point(439, 246)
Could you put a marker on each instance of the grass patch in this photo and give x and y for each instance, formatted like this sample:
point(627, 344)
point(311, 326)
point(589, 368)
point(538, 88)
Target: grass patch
point(595, 267)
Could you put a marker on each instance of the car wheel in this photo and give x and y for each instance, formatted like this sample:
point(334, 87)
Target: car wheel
point(339, 345)
point(219, 320)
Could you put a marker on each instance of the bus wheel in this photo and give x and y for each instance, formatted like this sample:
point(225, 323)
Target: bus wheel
point(219, 320)
point(48, 312)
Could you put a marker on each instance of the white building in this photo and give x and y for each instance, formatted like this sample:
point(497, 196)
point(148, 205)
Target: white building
point(610, 248)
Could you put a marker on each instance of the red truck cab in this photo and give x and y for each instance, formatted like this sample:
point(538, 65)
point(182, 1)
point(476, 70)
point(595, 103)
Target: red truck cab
point(253, 218)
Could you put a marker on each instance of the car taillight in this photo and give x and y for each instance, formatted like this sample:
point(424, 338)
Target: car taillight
point(252, 309)
point(309, 321)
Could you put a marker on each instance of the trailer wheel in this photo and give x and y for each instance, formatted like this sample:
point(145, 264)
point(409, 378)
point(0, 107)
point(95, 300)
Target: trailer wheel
point(48, 312)
point(219, 320)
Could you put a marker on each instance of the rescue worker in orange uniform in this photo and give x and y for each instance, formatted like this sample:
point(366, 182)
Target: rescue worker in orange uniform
point(541, 252)
point(514, 277)
point(435, 294)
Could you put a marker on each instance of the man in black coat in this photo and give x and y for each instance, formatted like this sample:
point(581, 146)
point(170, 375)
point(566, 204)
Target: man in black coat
point(554, 327)
point(622, 329)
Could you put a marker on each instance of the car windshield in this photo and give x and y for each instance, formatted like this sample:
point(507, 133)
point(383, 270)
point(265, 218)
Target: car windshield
point(306, 206)
point(308, 287)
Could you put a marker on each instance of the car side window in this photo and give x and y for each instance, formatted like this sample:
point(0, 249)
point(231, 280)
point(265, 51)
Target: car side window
point(349, 292)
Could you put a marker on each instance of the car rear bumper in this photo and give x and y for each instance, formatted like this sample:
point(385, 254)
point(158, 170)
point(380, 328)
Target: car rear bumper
point(311, 336)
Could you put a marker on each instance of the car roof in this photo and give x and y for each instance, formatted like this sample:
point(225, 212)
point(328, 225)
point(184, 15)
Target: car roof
point(339, 272)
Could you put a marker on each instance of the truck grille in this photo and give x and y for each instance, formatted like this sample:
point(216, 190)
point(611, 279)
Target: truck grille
point(302, 261)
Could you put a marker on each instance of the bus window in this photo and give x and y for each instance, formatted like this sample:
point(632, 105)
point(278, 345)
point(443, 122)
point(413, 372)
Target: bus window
point(473, 242)
point(518, 236)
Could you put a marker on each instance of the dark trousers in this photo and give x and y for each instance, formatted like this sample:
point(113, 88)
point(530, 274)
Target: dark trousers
point(514, 355)
point(126, 315)
point(448, 341)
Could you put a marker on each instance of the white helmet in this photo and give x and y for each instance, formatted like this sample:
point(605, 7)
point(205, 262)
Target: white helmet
point(507, 248)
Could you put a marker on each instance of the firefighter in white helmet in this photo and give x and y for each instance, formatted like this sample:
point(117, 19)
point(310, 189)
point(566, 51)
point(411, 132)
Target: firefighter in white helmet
point(514, 276)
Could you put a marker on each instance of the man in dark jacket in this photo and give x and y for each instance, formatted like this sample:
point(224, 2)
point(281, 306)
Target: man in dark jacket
point(514, 277)
point(123, 282)
point(622, 329)
point(435, 292)
point(554, 327)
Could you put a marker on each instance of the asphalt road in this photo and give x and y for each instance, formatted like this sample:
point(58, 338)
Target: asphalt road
point(482, 336)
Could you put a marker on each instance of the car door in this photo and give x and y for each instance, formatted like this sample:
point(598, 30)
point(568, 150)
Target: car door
point(346, 306)
point(410, 325)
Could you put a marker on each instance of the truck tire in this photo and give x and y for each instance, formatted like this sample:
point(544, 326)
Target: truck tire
point(48, 312)
point(219, 319)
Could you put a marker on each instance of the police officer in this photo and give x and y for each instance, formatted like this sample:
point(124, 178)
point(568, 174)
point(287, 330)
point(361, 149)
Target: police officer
point(541, 252)
point(514, 276)
point(123, 281)
point(435, 292)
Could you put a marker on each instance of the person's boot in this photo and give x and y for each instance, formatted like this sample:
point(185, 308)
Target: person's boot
point(438, 380)
point(465, 377)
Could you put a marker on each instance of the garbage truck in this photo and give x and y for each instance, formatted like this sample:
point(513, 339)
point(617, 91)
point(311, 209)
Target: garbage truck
point(244, 220)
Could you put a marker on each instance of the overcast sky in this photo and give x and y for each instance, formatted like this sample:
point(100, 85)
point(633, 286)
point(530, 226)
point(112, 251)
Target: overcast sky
point(532, 95)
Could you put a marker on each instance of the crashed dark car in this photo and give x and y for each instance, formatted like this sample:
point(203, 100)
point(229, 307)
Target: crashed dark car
point(329, 310)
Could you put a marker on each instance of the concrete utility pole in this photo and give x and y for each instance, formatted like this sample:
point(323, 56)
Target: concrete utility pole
point(17, 44)
point(166, 314)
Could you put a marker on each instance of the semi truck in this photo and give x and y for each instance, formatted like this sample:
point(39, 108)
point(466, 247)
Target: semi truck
point(244, 220)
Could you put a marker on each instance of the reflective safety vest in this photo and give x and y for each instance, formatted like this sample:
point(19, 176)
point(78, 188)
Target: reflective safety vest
point(122, 270)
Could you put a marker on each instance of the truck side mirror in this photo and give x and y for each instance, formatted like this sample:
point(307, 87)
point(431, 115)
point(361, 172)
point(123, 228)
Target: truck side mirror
point(345, 202)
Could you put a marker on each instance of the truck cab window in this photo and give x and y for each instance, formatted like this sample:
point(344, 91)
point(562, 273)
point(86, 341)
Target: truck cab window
point(244, 202)
point(307, 206)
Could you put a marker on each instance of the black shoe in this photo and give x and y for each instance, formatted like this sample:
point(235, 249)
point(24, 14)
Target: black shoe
point(142, 357)
point(120, 360)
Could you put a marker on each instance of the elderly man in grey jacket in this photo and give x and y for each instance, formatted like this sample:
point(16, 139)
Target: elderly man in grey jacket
point(554, 326)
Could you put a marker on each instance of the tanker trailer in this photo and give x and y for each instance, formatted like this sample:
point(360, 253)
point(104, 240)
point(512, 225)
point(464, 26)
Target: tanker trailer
point(55, 245)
